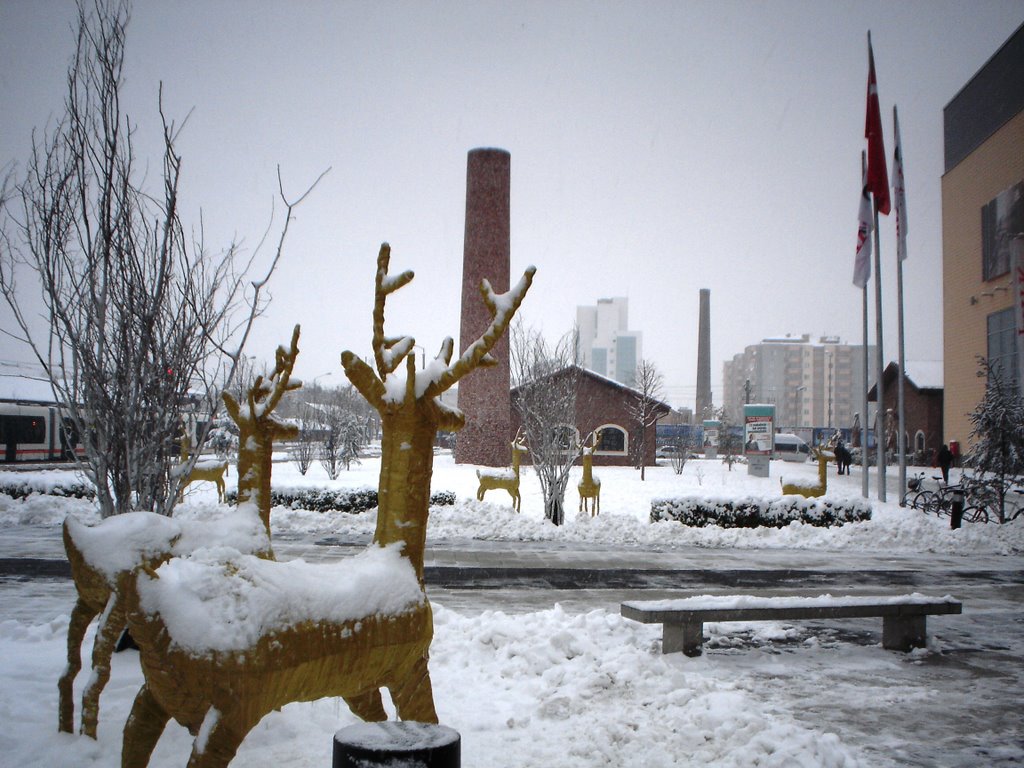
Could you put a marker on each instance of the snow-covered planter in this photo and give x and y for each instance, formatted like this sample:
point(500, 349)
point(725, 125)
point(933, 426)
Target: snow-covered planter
point(757, 512)
point(336, 499)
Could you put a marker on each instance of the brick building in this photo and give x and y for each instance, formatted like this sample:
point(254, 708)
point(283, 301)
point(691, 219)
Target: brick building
point(922, 405)
point(604, 404)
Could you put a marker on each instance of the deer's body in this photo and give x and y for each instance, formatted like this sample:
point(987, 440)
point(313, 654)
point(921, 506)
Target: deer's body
point(816, 489)
point(507, 479)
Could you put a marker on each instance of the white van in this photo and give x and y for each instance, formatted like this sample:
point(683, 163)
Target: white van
point(790, 448)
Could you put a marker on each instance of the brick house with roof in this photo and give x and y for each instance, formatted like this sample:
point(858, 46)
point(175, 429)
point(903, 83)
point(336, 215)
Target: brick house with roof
point(605, 404)
point(922, 406)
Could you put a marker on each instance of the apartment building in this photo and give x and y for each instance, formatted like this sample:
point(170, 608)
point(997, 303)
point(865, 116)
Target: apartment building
point(606, 345)
point(812, 383)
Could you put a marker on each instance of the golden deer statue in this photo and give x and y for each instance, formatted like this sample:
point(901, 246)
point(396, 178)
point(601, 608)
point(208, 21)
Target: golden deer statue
point(813, 490)
point(493, 479)
point(258, 428)
point(145, 540)
point(375, 626)
point(210, 471)
point(589, 486)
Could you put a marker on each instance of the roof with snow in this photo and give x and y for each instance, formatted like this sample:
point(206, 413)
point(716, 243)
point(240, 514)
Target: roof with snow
point(24, 383)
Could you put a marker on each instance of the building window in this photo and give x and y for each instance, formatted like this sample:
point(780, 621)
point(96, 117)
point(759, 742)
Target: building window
point(614, 440)
point(1001, 219)
point(1002, 345)
point(919, 442)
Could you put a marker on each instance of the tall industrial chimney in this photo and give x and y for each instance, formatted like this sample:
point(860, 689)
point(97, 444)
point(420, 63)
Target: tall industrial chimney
point(704, 404)
point(484, 395)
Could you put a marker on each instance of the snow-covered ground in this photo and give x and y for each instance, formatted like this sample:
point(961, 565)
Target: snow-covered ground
point(538, 684)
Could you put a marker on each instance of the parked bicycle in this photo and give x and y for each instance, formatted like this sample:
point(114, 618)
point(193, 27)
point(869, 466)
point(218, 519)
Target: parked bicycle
point(978, 497)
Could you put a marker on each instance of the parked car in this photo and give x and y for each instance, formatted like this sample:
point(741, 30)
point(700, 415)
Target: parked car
point(669, 451)
point(790, 448)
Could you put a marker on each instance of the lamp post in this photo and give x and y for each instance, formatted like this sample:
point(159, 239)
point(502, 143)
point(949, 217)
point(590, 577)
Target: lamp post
point(797, 400)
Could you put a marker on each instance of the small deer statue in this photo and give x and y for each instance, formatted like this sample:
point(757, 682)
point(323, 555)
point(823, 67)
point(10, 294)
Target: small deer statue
point(823, 457)
point(374, 625)
point(211, 471)
point(589, 486)
point(493, 479)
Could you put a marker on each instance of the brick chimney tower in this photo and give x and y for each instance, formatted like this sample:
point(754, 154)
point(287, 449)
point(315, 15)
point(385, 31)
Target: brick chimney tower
point(704, 404)
point(484, 395)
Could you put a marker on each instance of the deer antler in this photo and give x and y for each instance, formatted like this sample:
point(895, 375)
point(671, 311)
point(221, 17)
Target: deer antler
point(388, 352)
point(502, 307)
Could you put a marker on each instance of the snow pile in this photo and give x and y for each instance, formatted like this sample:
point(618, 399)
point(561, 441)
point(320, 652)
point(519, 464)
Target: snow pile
point(220, 600)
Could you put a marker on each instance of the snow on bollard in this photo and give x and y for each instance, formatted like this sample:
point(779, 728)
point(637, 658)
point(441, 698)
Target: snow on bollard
point(405, 743)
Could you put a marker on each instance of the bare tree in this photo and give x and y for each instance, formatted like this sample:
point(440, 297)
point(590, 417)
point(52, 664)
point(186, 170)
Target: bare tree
point(645, 410)
point(145, 325)
point(342, 419)
point(303, 449)
point(545, 385)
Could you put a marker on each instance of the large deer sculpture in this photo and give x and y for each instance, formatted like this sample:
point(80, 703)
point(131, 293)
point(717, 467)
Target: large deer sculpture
point(507, 479)
point(145, 540)
point(370, 623)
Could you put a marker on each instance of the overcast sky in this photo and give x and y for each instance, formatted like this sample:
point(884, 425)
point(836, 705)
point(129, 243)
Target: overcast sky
point(657, 149)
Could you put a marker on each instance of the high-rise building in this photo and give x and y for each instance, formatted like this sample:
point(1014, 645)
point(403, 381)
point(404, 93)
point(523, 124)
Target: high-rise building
point(812, 384)
point(606, 345)
point(983, 234)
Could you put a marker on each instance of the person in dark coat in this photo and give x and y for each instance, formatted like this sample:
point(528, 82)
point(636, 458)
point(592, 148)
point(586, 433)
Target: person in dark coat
point(944, 458)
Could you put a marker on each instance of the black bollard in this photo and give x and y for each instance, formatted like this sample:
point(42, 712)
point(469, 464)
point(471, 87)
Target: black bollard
point(409, 744)
point(956, 512)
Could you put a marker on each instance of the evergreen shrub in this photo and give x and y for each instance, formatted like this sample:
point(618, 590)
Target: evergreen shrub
point(755, 512)
point(353, 500)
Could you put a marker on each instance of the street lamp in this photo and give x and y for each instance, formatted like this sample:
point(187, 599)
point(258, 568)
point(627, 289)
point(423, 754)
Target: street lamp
point(796, 405)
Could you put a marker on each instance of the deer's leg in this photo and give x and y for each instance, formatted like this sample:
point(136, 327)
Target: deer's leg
point(414, 696)
point(112, 623)
point(218, 740)
point(142, 731)
point(81, 616)
point(367, 706)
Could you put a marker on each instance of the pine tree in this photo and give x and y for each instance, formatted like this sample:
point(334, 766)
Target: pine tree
point(997, 435)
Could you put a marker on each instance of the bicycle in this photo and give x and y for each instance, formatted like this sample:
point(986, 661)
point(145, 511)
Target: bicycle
point(917, 496)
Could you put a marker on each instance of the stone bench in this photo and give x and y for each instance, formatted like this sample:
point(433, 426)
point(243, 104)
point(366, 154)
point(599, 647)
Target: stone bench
point(903, 616)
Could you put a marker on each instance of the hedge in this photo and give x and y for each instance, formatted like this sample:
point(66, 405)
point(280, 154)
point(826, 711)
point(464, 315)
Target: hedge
point(335, 500)
point(22, 488)
point(755, 512)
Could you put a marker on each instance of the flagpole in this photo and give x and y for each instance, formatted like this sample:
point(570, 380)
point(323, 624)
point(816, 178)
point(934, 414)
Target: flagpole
point(865, 482)
point(879, 362)
point(900, 256)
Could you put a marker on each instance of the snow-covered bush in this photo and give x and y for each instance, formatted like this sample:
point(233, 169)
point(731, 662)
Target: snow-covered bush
point(757, 512)
point(61, 484)
point(336, 499)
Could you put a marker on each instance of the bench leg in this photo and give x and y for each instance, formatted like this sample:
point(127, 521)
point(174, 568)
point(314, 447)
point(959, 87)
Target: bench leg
point(687, 638)
point(901, 633)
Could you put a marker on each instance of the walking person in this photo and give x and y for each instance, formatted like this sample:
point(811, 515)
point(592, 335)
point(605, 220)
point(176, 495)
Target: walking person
point(944, 458)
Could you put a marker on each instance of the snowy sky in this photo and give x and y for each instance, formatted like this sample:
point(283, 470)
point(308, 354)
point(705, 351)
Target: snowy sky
point(657, 148)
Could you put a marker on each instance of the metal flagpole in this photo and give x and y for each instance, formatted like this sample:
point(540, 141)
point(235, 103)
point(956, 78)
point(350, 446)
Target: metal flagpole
point(879, 359)
point(865, 483)
point(900, 256)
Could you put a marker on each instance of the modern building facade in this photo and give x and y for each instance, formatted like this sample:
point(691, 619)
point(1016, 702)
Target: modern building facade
point(606, 345)
point(812, 383)
point(983, 233)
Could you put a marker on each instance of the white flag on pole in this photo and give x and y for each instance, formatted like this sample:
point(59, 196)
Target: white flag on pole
point(899, 191)
point(862, 266)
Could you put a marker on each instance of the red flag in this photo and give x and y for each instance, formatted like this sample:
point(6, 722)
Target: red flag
point(878, 176)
